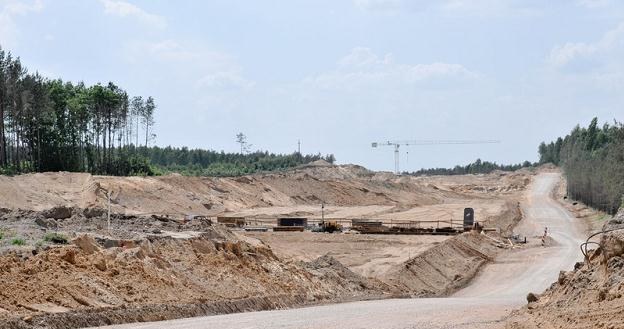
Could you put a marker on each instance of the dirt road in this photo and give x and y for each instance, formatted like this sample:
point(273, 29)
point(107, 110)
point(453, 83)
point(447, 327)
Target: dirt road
point(501, 287)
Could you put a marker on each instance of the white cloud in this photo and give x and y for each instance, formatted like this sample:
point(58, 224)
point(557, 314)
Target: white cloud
point(362, 68)
point(364, 57)
point(211, 70)
point(169, 50)
point(224, 80)
point(8, 11)
point(378, 5)
point(562, 55)
point(496, 8)
point(124, 9)
point(451, 7)
point(593, 3)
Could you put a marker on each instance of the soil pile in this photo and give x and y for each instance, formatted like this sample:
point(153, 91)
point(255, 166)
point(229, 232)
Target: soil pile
point(99, 281)
point(36, 227)
point(338, 186)
point(445, 267)
point(591, 296)
point(152, 263)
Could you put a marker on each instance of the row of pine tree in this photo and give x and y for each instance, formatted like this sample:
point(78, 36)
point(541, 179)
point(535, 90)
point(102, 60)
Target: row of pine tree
point(593, 162)
point(51, 125)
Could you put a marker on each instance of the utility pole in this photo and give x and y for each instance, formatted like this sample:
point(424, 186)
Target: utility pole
point(108, 201)
point(108, 215)
point(299, 146)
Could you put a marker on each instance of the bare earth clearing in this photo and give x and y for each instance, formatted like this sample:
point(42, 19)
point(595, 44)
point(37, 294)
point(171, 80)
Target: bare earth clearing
point(367, 255)
point(486, 303)
point(348, 191)
point(155, 268)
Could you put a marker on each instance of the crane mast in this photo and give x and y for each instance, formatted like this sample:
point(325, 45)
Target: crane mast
point(397, 144)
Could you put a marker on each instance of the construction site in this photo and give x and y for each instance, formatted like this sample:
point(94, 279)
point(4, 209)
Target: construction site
point(79, 250)
point(386, 164)
point(196, 246)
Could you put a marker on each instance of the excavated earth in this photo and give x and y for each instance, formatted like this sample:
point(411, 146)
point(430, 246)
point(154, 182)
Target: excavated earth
point(97, 281)
point(148, 266)
point(590, 296)
point(348, 191)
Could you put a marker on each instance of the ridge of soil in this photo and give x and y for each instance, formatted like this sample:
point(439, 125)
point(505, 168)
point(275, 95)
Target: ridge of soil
point(211, 270)
point(446, 267)
point(349, 191)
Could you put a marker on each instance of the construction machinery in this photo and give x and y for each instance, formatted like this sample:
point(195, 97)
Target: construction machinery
point(329, 226)
point(397, 144)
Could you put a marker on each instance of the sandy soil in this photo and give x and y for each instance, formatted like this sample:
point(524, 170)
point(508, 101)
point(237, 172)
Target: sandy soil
point(95, 281)
point(590, 296)
point(154, 268)
point(486, 303)
point(348, 191)
point(367, 255)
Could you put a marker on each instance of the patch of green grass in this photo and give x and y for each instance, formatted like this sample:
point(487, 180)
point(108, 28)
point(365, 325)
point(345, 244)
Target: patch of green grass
point(18, 242)
point(1, 235)
point(55, 238)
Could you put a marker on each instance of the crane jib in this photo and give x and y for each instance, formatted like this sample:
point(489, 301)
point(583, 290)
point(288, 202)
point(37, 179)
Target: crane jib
point(397, 144)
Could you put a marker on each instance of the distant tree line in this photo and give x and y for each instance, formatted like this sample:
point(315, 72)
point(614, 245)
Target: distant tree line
point(593, 162)
point(51, 125)
point(199, 162)
point(477, 167)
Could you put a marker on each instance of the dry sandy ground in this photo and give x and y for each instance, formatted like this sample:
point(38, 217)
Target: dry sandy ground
point(591, 295)
point(157, 270)
point(348, 191)
point(486, 303)
point(367, 255)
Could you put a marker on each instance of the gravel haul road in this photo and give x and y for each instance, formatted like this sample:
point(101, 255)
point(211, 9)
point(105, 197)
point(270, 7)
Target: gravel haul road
point(501, 287)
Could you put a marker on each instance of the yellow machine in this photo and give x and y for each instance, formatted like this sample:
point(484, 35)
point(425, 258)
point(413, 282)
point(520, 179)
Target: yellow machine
point(330, 226)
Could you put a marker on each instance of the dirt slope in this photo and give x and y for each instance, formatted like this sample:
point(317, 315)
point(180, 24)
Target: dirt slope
point(149, 274)
point(590, 296)
point(444, 268)
point(348, 188)
point(366, 254)
point(152, 268)
point(500, 287)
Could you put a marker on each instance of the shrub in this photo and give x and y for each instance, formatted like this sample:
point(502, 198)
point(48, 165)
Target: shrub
point(55, 238)
point(18, 242)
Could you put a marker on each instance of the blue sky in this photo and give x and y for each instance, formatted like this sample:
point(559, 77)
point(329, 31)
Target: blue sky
point(339, 75)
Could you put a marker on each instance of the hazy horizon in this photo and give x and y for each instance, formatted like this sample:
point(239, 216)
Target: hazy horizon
point(338, 75)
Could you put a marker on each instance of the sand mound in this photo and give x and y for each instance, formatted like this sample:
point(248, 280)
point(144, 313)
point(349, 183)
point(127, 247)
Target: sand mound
point(152, 265)
point(339, 186)
point(444, 268)
point(204, 269)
